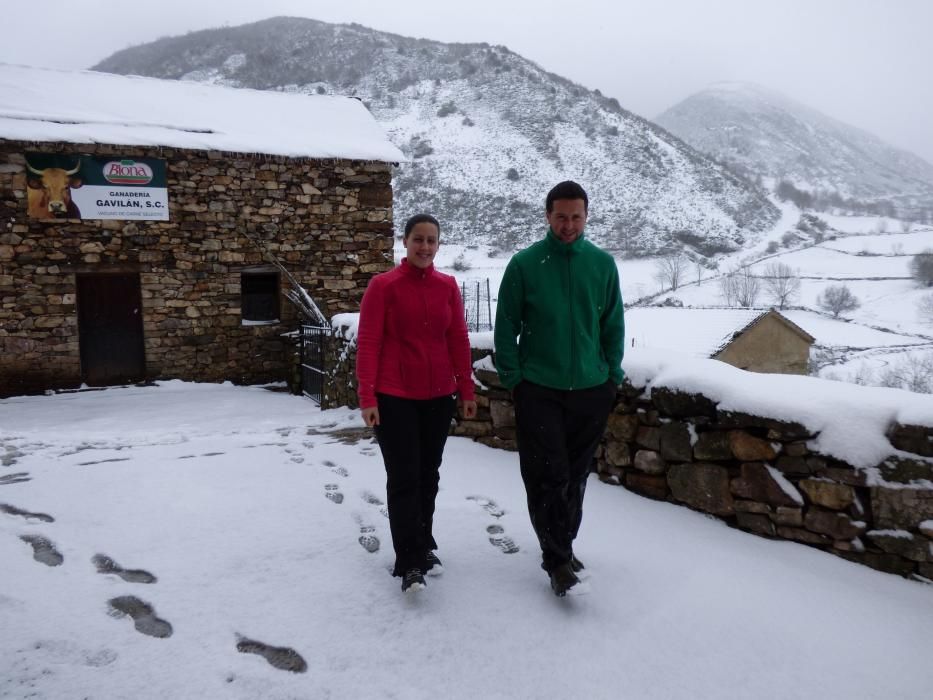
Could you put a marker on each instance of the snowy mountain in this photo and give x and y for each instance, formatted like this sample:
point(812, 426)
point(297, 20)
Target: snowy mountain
point(487, 133)
point(759, 132)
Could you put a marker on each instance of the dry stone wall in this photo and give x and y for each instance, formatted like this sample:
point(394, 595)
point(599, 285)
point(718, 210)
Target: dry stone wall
point(329, 222)
point(757, 474)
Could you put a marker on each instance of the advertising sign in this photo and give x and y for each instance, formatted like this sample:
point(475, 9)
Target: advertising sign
point(68, 186)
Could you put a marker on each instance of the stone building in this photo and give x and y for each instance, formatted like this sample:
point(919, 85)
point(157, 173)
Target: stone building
point(149, 227)
point(755, 340)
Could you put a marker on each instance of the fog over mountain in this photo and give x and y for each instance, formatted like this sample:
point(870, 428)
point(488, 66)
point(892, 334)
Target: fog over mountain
point(487, 133)
point(760, 132)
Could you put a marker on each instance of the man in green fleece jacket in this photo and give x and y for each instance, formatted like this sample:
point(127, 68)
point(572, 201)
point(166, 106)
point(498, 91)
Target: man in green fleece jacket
point(559, 341)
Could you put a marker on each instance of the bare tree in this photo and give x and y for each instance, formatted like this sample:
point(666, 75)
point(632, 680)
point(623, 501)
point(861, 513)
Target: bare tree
point(728, 288)
point(906, 226)
point(781, 284)
point(836, 299)
point(749, 287)
point(913, 372)
point(739, 287)
point(669, 270)
point(925, 308)
point(921, 267)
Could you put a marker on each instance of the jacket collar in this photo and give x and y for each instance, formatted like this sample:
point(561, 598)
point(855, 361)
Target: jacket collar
point(557, 245)
point(410, 270)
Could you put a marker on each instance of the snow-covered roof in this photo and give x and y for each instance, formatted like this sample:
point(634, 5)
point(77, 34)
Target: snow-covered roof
point(694, 332)
point(40, 104)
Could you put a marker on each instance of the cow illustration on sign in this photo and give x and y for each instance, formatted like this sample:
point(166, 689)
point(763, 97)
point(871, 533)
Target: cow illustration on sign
point(49, 192)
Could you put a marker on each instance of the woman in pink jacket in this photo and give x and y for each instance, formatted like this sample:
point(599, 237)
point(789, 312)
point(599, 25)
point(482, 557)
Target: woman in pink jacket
point(413, 360)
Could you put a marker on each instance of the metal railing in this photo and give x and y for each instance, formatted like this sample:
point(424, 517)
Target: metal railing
point(312, 361)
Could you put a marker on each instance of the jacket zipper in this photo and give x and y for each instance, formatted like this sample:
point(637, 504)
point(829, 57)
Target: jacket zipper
point(424, 303)
point(573, 345)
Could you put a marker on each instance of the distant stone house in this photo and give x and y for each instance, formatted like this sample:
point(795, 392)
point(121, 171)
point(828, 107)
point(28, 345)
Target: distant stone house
point(140, 221)
point(755, 340)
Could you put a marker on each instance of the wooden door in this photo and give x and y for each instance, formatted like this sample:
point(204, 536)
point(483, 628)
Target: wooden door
point(110, 329)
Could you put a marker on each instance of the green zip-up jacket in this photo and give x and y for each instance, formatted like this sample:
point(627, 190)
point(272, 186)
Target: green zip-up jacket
point(559, 320)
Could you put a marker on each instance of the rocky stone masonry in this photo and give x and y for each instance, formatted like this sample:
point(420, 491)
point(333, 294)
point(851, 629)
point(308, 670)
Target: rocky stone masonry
point(755, 473)
point(340, 367)
point(329, 222)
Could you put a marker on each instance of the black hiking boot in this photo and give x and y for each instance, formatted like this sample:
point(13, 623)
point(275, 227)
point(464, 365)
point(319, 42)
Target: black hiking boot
point(563, 579)
point(412, 581)
point(576, 564)
point(432, 565)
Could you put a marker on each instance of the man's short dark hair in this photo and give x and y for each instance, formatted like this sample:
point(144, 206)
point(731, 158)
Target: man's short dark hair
point(568, 189)
point(421, 219)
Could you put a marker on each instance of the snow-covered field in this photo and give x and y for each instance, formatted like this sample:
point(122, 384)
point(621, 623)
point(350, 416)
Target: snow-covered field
point(251, 509)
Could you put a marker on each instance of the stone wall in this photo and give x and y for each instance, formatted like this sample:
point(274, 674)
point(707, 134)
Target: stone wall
point(329, 222)
point(754, 472)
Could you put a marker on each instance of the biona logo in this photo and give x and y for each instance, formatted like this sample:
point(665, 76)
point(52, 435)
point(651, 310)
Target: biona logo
point(127, 172)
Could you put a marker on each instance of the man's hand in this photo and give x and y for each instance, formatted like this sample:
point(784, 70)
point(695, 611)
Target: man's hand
point(371, 415)
point(468, 409)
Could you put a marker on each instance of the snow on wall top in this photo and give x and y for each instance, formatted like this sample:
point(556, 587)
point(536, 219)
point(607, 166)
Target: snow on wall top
point(40, 104)
point(851, 422)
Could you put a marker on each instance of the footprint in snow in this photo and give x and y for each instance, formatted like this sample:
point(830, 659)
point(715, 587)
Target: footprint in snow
point(498, 538)
point(295, 458)
point(43, 550)
point(13, 510)
point(283, 658)
point(367, 539)
point(64, 653)
point(10, 455)
point(143, 614)
point(489, 505)
point(17, 478)
point(374, 500)
point(104, 461)
point(106, 565)
point(332, 493)
point(371, 498)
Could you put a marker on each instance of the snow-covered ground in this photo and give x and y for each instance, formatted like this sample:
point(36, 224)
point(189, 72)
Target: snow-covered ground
point(253, 510)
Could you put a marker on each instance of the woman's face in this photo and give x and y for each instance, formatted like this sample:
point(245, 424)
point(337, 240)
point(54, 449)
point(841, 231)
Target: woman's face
point(421, 244)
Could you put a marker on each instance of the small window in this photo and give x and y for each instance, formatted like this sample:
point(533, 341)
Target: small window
point(260, 297)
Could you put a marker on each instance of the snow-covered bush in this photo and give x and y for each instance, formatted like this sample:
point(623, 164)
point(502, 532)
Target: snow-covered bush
point(461, 264)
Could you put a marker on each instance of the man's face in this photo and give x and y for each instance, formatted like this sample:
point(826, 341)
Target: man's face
point(567, 219)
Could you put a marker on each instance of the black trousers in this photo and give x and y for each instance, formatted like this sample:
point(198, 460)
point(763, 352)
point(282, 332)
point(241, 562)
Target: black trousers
point(412, 434)
point(558, 432)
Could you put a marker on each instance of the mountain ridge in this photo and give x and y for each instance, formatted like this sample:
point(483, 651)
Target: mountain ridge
point(487, 133)
point(760, 132)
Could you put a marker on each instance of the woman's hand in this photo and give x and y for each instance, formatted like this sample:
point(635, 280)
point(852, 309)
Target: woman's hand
point(468, 409)
point(371, 415)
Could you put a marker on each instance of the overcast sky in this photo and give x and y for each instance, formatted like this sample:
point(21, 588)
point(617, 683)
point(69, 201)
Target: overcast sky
point(865, 62)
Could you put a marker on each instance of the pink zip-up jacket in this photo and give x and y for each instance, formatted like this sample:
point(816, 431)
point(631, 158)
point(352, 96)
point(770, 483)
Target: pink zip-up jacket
point(412, 340)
